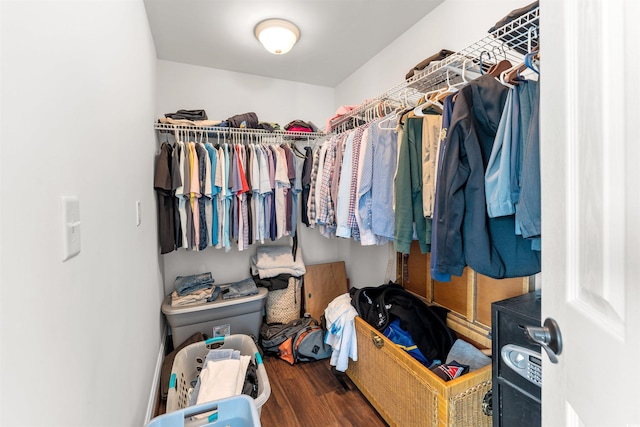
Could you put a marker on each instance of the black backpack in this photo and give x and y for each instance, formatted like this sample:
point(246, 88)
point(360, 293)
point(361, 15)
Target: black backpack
point(380, 305)
point(301, 340)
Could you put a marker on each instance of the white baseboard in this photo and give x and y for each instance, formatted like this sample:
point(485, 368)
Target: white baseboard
point(156, 379)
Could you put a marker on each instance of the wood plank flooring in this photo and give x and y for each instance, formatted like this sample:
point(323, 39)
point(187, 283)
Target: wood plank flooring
point(310, 395)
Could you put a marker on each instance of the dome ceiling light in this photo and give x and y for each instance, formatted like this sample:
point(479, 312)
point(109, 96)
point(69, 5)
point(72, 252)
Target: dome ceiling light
point(277, 35)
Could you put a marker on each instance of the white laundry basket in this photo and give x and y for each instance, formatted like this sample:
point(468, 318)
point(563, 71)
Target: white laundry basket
point(236, 411)
point(188, 364)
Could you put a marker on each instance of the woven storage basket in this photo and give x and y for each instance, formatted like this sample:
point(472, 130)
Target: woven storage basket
point(284, 305)
point(406, 393)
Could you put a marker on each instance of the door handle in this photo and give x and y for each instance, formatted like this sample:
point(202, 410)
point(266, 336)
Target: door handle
point(547, 337)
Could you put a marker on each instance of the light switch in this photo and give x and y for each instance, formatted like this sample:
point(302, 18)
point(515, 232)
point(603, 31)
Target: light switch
point(70, 227)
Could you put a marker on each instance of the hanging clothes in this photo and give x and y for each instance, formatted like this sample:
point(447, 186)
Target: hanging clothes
point(165, 185)
point(431, 125)
point(326, 210)
point(204, 181)
point(344, 184)
point(409, 217)
point(350, 184)
point(306, 184)
point(385, 152)
point(213, 158)
point(528, 210)
point(466, 235)
point(447, 111)
point(518, 129)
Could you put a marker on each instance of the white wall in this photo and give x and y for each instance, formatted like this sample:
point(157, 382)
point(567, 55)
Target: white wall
point(453, 25)
point(226, 93)
point(79, 338)
point(223, 94)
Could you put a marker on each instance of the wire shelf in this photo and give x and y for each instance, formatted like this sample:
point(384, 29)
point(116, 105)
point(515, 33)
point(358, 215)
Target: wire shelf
point(510, 42)
point(227, 132)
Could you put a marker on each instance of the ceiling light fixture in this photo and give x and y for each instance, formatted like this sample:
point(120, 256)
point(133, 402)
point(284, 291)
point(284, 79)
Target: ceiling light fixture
point(277, 35)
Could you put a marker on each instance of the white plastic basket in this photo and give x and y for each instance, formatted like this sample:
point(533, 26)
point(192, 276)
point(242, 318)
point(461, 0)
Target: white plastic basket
point(236, 411)
point(188, 364)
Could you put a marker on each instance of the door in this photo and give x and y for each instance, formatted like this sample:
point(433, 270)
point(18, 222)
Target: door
point(590, 160)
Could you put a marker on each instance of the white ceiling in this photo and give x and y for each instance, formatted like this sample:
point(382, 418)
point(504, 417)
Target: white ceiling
point(337, 36)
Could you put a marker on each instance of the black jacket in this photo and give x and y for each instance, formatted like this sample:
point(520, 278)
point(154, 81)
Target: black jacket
point(380, 305)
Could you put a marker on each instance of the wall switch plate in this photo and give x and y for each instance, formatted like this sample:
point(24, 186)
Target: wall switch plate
point(70, 227)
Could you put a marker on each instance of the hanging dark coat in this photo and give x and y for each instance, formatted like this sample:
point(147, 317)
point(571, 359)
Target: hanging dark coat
point(466, 235)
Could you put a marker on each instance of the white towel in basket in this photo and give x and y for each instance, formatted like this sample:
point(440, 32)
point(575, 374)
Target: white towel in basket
point(222, 378)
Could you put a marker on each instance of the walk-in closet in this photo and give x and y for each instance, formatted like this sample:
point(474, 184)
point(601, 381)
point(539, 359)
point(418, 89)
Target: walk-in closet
point(438, 193)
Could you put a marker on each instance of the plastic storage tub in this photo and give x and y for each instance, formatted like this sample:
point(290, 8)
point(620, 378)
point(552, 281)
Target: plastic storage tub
point(243, 315)
point(236, 411)
point(188, 363)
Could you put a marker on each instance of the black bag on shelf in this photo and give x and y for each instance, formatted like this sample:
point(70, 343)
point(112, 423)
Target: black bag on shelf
point(187, 115)
point(246, 120)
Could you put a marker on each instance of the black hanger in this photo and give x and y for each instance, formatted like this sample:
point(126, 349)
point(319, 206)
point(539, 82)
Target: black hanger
point(297, 152)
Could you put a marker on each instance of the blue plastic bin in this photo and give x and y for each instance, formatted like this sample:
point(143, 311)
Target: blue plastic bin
point(236, 411)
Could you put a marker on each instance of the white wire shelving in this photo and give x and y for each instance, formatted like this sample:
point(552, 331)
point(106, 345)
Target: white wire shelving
point(239, 134)
point(508, 42)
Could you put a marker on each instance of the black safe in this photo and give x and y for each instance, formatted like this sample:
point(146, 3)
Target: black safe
point(517, 362)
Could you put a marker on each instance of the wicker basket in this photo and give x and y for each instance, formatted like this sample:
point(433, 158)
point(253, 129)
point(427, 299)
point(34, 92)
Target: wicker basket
point(284, 305)
point(406, 393)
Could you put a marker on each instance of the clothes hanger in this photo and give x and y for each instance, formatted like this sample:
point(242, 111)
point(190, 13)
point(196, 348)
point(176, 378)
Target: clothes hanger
point(294, 148)
point(418, 110)
point(480, 60)
point(392, 117)
point(512, 76)
point(464, 70)
point(464, 76)
point(452, 88)
point(500, 66)
point(430, 98)
point(531, 58)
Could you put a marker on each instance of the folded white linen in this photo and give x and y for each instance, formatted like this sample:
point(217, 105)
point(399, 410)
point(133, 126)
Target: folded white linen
point(273, 260)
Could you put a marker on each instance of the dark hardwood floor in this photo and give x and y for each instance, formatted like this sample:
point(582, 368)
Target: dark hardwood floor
point(310, 395)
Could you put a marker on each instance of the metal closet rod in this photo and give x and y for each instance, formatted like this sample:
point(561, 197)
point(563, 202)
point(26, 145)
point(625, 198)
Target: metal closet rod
point(506, 42)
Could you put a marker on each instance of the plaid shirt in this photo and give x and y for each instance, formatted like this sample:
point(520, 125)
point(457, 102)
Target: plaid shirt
point(326, 212)
point(355, 160)
point(311, 203)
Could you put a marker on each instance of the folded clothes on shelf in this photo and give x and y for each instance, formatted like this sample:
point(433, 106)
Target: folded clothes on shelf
point(188, 284)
